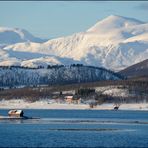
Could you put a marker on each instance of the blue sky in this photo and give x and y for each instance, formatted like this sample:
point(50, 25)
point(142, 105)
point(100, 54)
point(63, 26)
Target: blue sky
point(51, 19)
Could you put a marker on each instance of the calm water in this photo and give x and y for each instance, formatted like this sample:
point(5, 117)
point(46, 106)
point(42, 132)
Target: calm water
point(76, 128)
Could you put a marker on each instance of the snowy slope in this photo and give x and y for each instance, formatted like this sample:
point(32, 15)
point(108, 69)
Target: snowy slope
point(114, 43)
point(31, 59)
point(17, 76)
point(16, 35)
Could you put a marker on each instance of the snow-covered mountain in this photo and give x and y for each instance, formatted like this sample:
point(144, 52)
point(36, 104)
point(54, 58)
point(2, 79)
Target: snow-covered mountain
point(16, 35)
point(115, 43)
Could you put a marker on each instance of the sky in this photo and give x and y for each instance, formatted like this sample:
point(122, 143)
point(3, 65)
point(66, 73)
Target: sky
point(51, 19)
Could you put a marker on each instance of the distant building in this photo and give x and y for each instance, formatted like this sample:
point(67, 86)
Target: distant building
point(69, 99)
point(16, 113)
point(72, 100)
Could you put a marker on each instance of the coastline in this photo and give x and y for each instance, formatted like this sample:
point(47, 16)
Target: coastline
point(44, 104)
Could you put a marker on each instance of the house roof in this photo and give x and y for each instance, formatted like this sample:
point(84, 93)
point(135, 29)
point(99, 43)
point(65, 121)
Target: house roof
point(15, 111)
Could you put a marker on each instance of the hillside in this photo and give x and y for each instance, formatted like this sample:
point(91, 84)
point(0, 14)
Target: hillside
point(115, 43)
point(20, 76)
point(136, 70)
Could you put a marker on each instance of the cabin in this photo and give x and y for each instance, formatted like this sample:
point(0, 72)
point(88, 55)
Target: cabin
point(72, 100)
point(69, 99)
point(15, 113)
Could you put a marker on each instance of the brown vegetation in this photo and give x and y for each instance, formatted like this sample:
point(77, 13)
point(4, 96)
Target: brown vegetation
point(84, 90)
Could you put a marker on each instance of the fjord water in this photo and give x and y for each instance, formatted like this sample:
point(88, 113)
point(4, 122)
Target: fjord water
point(76, 128)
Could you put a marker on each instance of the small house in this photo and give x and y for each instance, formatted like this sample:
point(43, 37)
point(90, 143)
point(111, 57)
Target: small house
point(69, 99)
point(72, 99)
point(16, 113)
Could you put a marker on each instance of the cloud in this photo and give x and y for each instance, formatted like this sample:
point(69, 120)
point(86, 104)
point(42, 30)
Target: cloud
point(143, 6)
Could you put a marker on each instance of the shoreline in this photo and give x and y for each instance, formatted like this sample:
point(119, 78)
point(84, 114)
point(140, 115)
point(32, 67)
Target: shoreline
point(44, 104)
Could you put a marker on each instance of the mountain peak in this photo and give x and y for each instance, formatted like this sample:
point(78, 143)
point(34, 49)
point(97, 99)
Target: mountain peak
point(115, 42)
point(115, 16)
point(119, 17)
point(16, 35)
point(113, 22)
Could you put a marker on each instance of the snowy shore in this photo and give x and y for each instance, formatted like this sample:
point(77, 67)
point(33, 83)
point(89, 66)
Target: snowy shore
point(44, 104)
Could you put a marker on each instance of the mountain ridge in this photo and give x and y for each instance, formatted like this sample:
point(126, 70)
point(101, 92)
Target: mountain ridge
point(137, 70)
point(117, 44)
point(17, 76)
point(16, 35)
